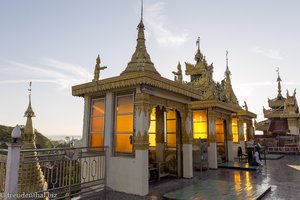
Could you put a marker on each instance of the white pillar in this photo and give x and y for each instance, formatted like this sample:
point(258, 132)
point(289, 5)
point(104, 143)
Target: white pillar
point(187, 148)
point(187, 160)
point(108, 119)
point(12, 170)
point(108, 132)
point(141, 173)
point(212, 155)
point(230, 151)
point(86, 116)
point(212, 147)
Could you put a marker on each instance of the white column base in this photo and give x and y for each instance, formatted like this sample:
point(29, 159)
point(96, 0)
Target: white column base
point(212, 156)
point(187, 160)
point(230, 151)
point(129, 175)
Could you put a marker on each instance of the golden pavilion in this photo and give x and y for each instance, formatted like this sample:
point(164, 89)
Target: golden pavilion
point(143, 118)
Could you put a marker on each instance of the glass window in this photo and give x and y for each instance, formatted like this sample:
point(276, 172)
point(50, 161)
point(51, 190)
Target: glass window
point(152, 129)
point(171, 129)
point(97, 122)
point(123, 123)
point(235, 134)
point(219, 130)
point(199, 124)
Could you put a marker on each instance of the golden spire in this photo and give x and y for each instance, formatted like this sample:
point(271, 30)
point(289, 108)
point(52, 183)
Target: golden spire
point(31, 169)
point(29, 112)
point(29, 135)
point(140, 60)
point(279, 95)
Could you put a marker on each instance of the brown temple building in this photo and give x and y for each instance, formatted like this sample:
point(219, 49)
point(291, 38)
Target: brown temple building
point(281, 126)
point(145, 118)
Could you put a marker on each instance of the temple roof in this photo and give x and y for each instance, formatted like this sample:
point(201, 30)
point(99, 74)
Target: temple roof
point(134, 79)
point(140, 60)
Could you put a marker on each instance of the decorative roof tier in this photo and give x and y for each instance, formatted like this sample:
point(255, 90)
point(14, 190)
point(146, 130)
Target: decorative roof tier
point(202, 80)
point(277, 102)
point(228, 87)
point(140, 60)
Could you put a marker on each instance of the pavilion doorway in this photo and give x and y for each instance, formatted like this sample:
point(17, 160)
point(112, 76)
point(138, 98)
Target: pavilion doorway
point(165, 143)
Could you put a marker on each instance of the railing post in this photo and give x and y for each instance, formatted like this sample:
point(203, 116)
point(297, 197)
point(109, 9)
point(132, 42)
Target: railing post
point(12, 171)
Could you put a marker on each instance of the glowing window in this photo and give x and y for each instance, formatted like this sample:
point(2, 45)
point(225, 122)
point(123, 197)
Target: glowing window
point(123, 123)
point(97, 122)
point(234, 126)
point(219, 130)
point(152, 129)
point(245, 131)
point(171, 129)
point(200, 124)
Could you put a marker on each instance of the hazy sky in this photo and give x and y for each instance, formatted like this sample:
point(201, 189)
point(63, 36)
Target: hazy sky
point(54, 44)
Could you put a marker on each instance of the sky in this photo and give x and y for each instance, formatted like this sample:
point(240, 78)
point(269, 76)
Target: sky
point(54, 44)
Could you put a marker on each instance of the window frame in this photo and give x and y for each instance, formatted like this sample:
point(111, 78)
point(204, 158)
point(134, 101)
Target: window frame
point(152, 133)
point(237, 129)
point(206, 122)
point(115, 115)
point(91, 120)
point(171, 133)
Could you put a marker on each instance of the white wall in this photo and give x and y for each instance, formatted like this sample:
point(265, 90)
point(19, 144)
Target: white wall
point(129, 175)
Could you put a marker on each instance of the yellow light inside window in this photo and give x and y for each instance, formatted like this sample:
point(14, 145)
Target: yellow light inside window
point(171, 129)
point(97, 122)
point(245, 131)
point(124, 123)
point(235, 134)
point(152, 129)
point(199, 124)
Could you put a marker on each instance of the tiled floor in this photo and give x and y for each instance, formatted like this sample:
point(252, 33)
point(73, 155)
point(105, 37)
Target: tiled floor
point(282, 175)
point(216, 189)
point(238, 166)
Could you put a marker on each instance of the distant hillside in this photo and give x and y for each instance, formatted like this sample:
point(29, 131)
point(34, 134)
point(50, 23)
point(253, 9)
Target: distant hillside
point(40, 140)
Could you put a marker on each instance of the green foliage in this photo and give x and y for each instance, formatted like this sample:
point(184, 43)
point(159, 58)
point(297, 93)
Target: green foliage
point(41, 141)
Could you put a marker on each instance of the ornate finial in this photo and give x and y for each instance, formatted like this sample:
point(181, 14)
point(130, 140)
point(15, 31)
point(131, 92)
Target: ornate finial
point(198, 43)
point(227, 58)
point(245, 106)
point(227, 72)
point(141, 24)
point(279, 84)
point(178, 74)
point(29, 112)
point(98, 61)
point(142, 10)
point(98, 69)
point(198, 56)
point(29, 90)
